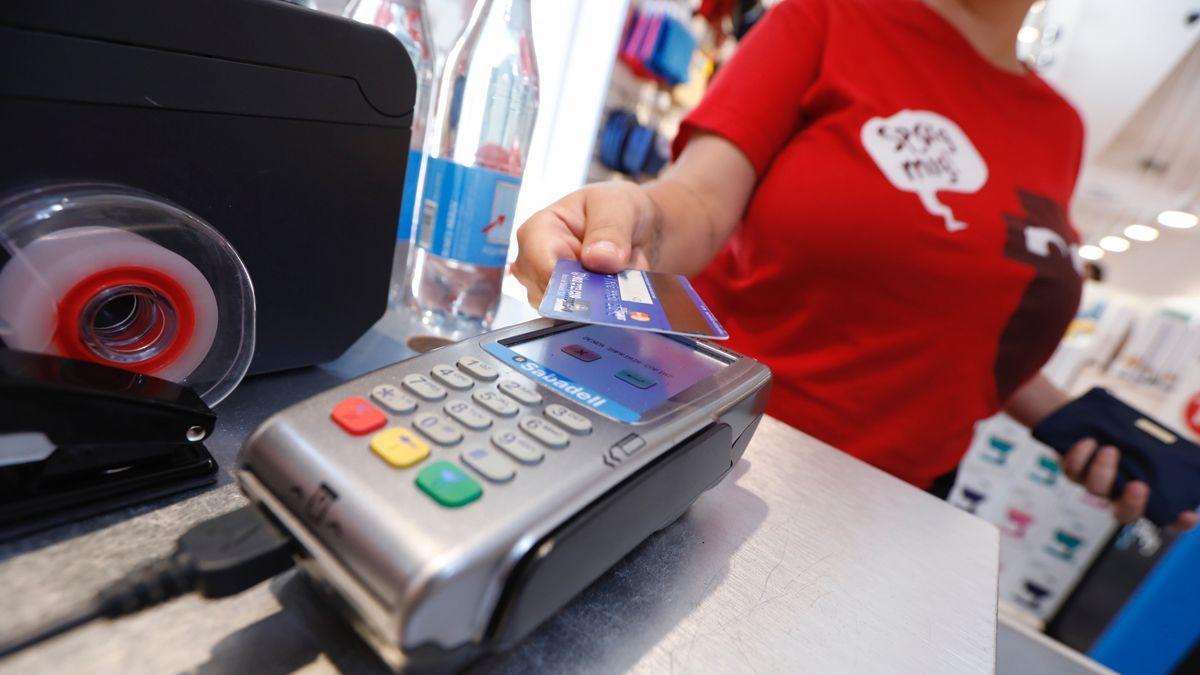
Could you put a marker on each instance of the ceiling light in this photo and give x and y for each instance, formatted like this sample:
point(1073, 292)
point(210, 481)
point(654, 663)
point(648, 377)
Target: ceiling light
point(1180, 220)
point(1090, 252)
point(1139, 232)
point(1114, 243)
point(1028, 34)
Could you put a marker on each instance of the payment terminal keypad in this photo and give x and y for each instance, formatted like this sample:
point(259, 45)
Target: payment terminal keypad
point(544, 431)
point(357, 416)
point(391, 399)
point(496, 402)
point(448, 485)
point(518, 447)
point(451, 377)
point(489, 464)
point(569, 419)
point(439, 429)
point(399, 447)
point(520, 392)
point(413, 424)
point(475, 476)
point(468, 415)
point(479, 368)
point(421, 385)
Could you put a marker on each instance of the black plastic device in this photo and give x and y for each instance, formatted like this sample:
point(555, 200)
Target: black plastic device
point(284, 128)
point(77, 438)
point(567, 560)
point(1150, 451)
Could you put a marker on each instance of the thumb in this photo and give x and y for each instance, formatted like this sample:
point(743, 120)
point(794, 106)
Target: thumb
point(607, 239)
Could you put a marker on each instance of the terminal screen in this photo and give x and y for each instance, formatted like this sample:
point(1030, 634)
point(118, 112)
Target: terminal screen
point(638, 370)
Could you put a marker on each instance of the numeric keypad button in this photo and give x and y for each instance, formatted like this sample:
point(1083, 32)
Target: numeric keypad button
point(399, 447)
point(451, 377)
point(468, 415)
point(479, 368)
point(518, 447)
point(424, 387)
point(489, 464)
point(544, 431)
point(393, 400)
point(568, 419)
point(520, 392)
point(496, 402)
point(437, 428)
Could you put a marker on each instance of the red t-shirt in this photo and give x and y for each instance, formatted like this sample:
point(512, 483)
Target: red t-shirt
point(906, 262)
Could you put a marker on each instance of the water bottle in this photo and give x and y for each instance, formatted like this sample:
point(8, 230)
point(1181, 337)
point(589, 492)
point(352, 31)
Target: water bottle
point(478, 141)
point(408, 21)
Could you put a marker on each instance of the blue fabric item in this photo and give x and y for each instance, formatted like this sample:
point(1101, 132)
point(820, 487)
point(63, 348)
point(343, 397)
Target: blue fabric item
point(614, 137)
point(1150, 450)
point(1160, 623)
point(673, 52)
point(656, 159)
point(637, 150)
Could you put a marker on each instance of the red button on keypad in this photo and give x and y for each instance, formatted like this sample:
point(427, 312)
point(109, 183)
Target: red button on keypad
point(357, 416)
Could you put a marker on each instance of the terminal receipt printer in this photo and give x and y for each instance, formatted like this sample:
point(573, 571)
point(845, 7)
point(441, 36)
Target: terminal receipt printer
point(450, 503)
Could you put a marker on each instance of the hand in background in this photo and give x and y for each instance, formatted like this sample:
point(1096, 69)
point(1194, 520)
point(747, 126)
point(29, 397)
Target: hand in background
point(1099, 477)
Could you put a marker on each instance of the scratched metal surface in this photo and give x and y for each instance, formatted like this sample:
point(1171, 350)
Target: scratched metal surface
point(804, 560)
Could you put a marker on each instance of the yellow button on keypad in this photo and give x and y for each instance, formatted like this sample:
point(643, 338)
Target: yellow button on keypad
point(399, 447)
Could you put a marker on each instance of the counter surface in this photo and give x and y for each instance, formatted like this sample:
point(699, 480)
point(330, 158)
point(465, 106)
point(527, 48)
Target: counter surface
point(803, 560)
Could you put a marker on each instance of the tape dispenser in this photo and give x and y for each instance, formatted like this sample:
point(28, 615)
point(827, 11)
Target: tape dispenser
point(125, 318)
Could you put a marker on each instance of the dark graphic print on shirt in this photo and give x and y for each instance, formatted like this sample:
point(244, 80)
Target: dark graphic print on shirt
point(1042, 238)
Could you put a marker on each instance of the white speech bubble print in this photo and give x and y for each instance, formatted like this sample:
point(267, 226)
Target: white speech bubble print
point(923, 152)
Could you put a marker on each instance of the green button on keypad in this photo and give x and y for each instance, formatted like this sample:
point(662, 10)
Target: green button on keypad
point(448, 484)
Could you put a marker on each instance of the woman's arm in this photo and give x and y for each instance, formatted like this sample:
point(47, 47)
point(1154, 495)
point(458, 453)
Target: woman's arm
point(674, 224)
point(1034, 401)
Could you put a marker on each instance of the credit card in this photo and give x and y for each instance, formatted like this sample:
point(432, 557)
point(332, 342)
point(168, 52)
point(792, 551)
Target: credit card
point(654, 301)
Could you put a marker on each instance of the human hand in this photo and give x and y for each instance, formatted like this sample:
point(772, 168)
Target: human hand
point(1099, 477)
point(609, 227)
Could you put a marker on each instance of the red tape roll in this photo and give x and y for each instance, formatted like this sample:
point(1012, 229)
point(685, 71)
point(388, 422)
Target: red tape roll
point(68, 335)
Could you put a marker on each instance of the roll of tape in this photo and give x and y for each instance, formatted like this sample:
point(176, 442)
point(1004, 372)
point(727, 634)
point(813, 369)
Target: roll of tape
point(109, 295)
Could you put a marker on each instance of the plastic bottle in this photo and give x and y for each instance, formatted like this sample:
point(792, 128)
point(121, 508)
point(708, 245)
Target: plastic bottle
point(408, 20)
point(481, 128)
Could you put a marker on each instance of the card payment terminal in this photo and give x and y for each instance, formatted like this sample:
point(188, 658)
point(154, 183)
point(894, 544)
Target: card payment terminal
point(450, 503)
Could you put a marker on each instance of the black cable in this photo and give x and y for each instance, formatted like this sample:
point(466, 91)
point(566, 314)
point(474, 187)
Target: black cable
point(217, 558)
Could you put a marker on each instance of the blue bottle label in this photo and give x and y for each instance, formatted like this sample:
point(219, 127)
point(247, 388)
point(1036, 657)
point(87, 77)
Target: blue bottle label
point(411, 173)
point(467, 212)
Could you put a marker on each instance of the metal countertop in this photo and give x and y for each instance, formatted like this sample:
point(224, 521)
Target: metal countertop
point(803, 560)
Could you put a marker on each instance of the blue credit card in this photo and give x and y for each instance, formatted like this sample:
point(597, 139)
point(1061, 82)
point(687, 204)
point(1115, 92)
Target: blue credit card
point(664, 303)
